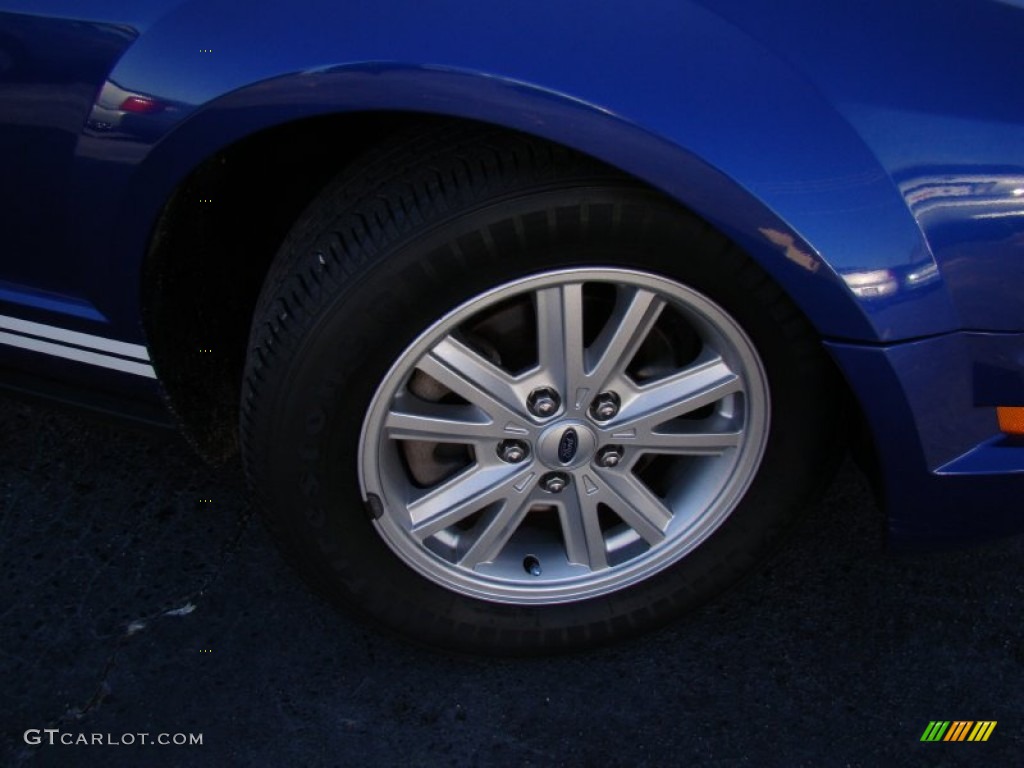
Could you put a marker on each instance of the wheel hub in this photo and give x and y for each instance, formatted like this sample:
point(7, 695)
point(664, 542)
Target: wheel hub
point(567, 444)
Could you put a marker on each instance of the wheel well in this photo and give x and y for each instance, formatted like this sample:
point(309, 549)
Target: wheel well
point(213, 245)
point(211, 249)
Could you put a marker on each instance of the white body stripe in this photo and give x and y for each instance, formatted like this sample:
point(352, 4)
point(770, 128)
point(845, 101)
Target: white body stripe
point(81, 355)
point(64, 336)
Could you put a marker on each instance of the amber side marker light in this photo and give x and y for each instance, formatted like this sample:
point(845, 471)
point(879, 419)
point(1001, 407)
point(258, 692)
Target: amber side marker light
point(1011, 420)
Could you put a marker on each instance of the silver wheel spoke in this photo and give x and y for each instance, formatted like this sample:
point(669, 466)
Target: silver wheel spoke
point(497, 530)
point(696, 387)
point(584, 541)
point(638, 507)
point(462, 495)
point(636, 312)
point(468, 374)
point(560, 336)
point(419, 420)
point(684, 443)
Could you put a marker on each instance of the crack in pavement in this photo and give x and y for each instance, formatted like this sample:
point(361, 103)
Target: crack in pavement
point(187, 605)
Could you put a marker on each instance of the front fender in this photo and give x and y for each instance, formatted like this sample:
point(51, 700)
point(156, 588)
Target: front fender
point(672, 94)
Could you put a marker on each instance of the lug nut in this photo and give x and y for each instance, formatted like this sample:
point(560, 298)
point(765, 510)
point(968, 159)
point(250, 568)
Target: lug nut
point(605, 406)
point(609, 456)
point(554, 482)
point(512, 451)
point(543, 402)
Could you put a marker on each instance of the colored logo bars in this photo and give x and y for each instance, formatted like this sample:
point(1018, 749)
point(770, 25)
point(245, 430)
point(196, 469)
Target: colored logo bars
point(958, 730)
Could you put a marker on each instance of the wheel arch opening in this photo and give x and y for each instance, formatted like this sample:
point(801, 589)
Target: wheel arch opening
point(209, 253)
point(213, 245)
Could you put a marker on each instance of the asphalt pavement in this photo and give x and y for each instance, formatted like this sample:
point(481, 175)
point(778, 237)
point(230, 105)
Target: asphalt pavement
point(139, 596)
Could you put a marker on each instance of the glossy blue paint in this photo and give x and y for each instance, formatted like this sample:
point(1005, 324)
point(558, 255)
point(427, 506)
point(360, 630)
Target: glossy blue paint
point(948, 474)
point(45, 301)
point(48, 69)
point(645, 72)
point(928, 87)
point(746, 123)
point(870, 158)
point(997, 456)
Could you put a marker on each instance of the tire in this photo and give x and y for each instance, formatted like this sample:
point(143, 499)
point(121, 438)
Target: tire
point(503, 399)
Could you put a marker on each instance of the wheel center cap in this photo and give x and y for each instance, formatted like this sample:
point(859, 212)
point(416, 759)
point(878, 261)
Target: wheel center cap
point(566, 445)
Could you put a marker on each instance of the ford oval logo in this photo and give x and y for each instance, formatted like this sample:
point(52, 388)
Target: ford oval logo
point(567, 446)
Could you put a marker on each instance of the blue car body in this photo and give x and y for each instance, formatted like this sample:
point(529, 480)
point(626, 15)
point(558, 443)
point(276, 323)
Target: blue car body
point(869, 156)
